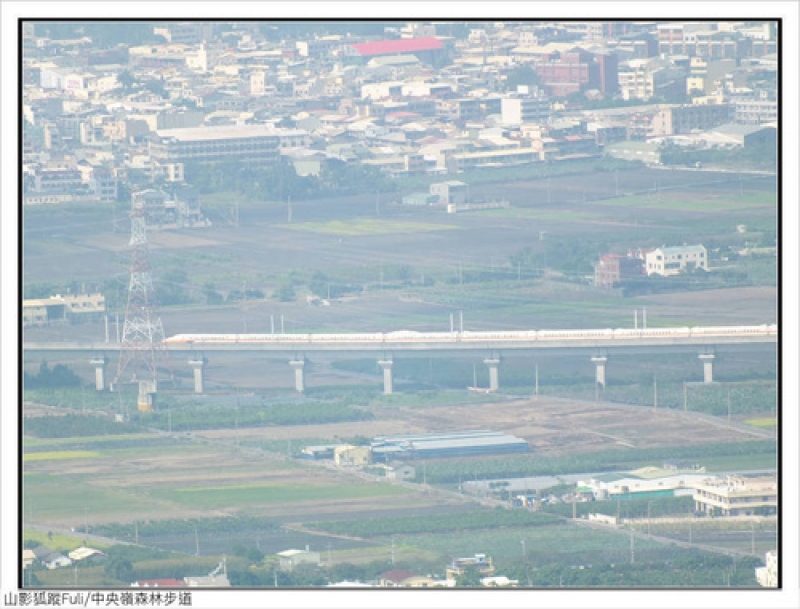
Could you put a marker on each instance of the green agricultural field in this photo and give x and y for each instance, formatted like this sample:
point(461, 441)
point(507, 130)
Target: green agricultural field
point(764, 423)
point(562, 544)
point(87, 440)
point(696, 203)
point(367, 226)
point(252, 494)
point(543, 214)
point(740, 462)
point(70, 498)
point(59, 542)
point(437, 524)
point(60, 455)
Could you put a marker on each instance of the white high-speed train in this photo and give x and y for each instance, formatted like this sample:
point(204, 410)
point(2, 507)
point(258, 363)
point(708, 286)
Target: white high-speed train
point(409, 336)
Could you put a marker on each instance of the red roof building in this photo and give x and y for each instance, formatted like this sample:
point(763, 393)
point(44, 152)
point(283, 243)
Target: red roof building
point(397, 47)
point(159, 583)
point(394, 578)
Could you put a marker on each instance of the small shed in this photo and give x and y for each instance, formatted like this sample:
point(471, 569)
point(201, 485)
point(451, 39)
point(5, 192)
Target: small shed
point(400, 471)
point(289, 559)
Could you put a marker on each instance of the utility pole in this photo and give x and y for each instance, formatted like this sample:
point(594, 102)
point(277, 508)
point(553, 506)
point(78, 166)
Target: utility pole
point(136, 532)
point(729, 407)
point(461, 321)
point(451, 323)
point(537, 381)
point(289, 202)
point(655, 393)
point(633, 560)
point(685, 395)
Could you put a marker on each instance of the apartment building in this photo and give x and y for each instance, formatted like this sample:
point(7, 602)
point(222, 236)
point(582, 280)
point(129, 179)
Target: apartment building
point(736, 496)
point(524, 109)
point(754, 111)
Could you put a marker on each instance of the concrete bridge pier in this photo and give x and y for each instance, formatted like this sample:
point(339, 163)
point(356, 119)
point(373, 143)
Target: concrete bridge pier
point(386, 364)
point(299, 379)
point(146, 400)
point(708, 366)
point(494, 380)
point(600, 373)
point(198, 364)
point(99, 364)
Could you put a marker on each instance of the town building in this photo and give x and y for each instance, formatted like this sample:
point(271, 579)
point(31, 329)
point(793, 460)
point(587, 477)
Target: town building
point(251, 144)
point(674, 260)
point(352, 455)
point(748, 111)
point(428, 49)
point(451, 191)
point(736, 496)
point(60, 309)
point(577, 71)
point(614, 268)
point(680, 120)
point(480, 562)
point(28, 558)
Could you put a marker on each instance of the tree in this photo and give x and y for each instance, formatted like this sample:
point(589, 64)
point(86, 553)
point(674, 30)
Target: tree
point(119, 568)
point(319, 284)
point(470, 578)
point(126, 79)
point(522, 75)
point(285, 292)
point(156, 87)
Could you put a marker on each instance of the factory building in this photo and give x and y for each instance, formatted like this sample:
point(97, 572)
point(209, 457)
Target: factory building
point(442, 446)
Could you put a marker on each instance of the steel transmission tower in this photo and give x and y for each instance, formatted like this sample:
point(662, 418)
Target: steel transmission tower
point(141, 348)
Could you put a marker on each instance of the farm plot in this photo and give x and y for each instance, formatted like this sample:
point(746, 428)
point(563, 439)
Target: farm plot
point(367, 226)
